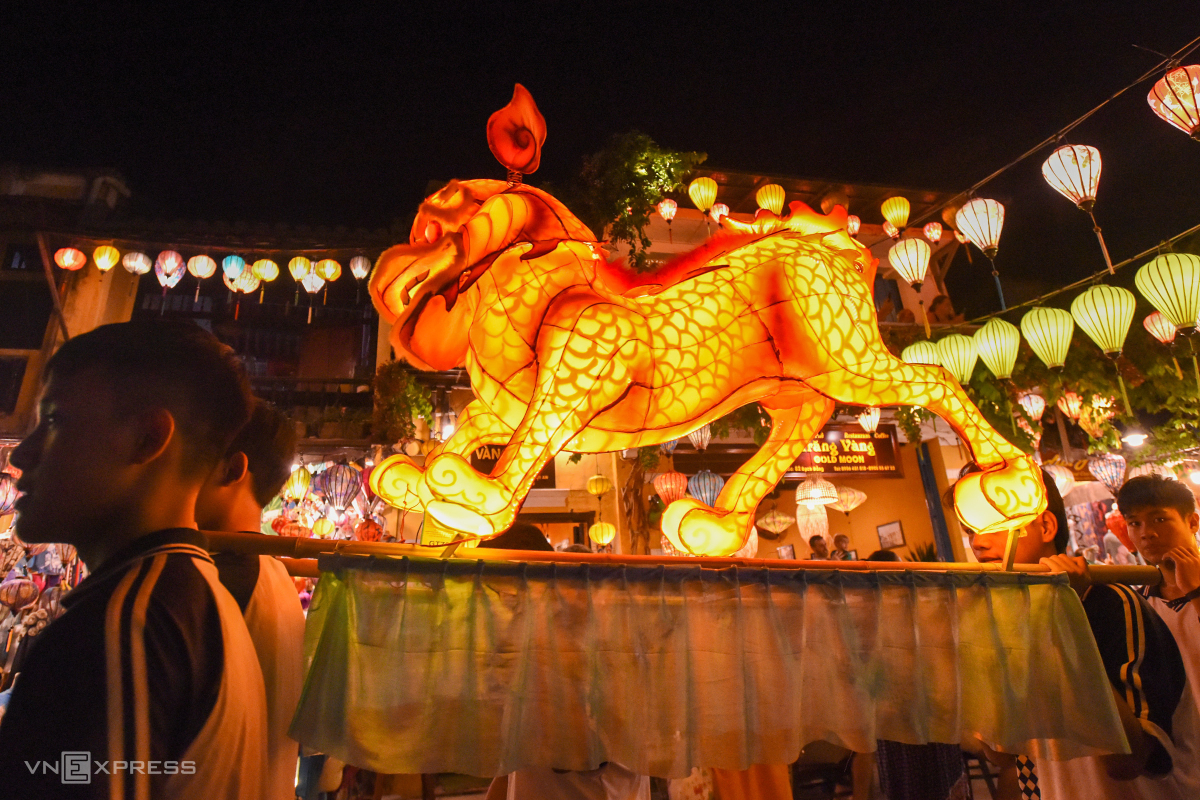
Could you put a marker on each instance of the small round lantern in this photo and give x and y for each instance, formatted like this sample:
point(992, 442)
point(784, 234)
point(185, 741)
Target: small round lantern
point(997, 343)
point(958, 354)
point(667, 208)
point(70, 258)
point(703, 192)
point(1048, 331)
point(933, 232)
point(598, 485)
point(602, 533)
point(1175, 98)
point(771, 198)
point(671, 486)
point(106, 257)
point(895, 210)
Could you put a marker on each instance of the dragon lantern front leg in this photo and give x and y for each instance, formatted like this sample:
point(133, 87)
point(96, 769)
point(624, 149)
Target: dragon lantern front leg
point(584, 367)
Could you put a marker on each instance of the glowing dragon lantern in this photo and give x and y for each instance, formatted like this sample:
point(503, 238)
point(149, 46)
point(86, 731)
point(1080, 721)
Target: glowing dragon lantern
point(515, 135)
point(853, 223)
point(1105, 314)
point(771, 198)
point(566, 353)
point(705, 485)
point(1175, 98)
point(671, 486)
point(997, 342)
point(1074, 172)
point(982, 220)
point(910, 258)
point(1048, 331)
point(848, 499)
point(933, 232)
point(1109, 469)
point(868, 420)
point(957, 353)
point(69, 258)
point(106, 257)
point(201, 268)
point(700, 438)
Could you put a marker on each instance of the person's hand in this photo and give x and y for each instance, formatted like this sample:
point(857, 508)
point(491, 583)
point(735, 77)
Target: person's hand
point(1183, 566)
point(1076, 569)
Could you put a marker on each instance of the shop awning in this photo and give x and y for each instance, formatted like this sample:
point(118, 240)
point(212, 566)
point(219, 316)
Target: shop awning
point(425, 666)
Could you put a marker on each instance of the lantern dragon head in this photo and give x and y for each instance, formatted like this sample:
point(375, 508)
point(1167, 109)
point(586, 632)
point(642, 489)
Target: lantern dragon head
point(565, 351)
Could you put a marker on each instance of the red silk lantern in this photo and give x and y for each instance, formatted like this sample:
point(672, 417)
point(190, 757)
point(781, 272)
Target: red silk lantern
point(671, 486)
point(70, 258)
point(1160, 327)
point(718, 210)
point(933, 231)
point(368, 531)
point(667, 208)
point(18, 593)
point(279, 523)
point(1174, 99)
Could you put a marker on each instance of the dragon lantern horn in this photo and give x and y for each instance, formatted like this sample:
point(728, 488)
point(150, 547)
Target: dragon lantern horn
point(515, 134)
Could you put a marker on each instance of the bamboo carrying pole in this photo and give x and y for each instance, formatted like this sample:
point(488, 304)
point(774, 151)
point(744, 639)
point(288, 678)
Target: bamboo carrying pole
point(299, 556)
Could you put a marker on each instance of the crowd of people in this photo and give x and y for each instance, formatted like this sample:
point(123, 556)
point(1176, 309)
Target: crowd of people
point(175, 672)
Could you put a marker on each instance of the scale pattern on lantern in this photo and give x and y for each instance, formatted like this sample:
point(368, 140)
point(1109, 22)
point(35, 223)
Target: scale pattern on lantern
point(567, 352)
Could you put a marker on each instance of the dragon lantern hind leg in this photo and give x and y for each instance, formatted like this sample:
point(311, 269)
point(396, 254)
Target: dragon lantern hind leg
point(584, 368)
point(397, 479)
point(694, 527)
point(1008, 493)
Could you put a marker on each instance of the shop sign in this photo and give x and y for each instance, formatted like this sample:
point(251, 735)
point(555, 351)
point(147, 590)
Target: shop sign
point(484, 460)
point(849, 451)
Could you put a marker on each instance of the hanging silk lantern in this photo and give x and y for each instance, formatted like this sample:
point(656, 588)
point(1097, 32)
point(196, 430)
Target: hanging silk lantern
point(1033, 403)
point(910, 258)
point(957, 353)
point(245, 282)
point(717, 211)
point(296, 486)
point(8, 493)
point(169, 269)
point(323, 528)
point(667, 208)
point(360, 267)
point(1048, 331)
point(812, 521)
point(300, 268)
point(1161, 470)
point(1074, 172)
point(602, 533)
point(1175, 98)
point(106, 257)
point(703, 192)
point(70, 258)
point(700, 438)
point(1160, 327)
point(705, 485)
point(982, 220)
point(891, 230)
point(961, 237)
point(1064, 478)
point(853, 223)
point(341, 485)
point(598, 485)
point(296, 531)
point(868, 420)
point(667, 448)
point(328, 270)
point(670, 486)
point(933, 232)
point(774, 522)
point(201, 267)
point(233, 267)
point(368, 530)
point(895, 210)
point(921, 353)
point(815, 491)
point(1109, 469)
point(1070, 404)
point(137, 263)
point(265, 270)
point(848, 499)
point(1105, 313)
point(771, 198)
point(1171, 283)
point(997, 343)
point(19, 593)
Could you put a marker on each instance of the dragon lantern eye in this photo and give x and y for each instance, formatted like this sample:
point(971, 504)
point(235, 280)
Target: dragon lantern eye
point(433, 231)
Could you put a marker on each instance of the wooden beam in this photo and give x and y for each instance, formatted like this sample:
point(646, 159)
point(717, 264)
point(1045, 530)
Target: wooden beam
point(46, 268)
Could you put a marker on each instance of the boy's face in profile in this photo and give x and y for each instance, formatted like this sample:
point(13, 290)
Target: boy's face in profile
point(74, 462)
point(1156, 530)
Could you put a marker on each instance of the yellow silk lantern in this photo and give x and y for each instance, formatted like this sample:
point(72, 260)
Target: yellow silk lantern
point(1105, 313)
point(1048, 331)
point(602, 533)
point(1074, 172)
point(957, 353)
point(323, 528)
point(921, 353)
point(328, 270)
point(1171, 283)
point(895, 210)
point(265, 270)
point(771, 198)
point(296, 486)
point(300, 268)
point(703, 192)
point(566, 353)
point(106, 257)
point(598, 485)
point(201, 267)
point(997, 343)
point(1175, 98)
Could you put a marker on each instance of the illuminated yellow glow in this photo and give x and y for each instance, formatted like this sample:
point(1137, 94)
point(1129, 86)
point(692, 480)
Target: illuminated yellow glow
point(1171, 283)
point(771, 198)
point(265, 270)
point(602, 533)
point(997, 343)
point(1105, 314)
point(300, 268)
point(703, 192)
point(982, 220)
point(566, 353)
point(895, 210)
point(1048, 331)
point(1175, 98)
point(106, 257)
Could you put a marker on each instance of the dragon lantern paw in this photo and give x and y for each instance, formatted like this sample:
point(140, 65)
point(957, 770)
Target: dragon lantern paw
point(693, 527)
point(460, 498)
point(1003, 498)
point(396, 480)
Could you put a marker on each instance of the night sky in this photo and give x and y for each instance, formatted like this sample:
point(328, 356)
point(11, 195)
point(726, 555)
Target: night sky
point(318, 115)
